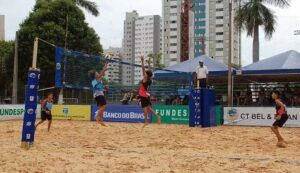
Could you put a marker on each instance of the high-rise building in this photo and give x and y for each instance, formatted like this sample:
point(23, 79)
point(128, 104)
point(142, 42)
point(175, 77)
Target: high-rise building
point(128, 47)
point(114, 73)
point(217, 37)
point(208, 30)
point(147, 41)
point(2, 27)
point(171, 31)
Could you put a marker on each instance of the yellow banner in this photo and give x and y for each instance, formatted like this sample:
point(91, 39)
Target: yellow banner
point(74, 112)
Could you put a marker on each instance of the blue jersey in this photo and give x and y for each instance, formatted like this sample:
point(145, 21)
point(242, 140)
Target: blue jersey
point(48, 106)
point(97, 88)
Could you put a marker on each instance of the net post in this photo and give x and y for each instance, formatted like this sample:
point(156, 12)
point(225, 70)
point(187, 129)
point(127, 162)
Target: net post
point(35, 49)
point(31, 100)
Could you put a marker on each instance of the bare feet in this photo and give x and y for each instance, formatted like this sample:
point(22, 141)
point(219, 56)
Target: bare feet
point(102, 124)
point(281, 144)
point(146, 124)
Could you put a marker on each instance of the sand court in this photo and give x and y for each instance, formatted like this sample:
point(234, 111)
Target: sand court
point(83, 146)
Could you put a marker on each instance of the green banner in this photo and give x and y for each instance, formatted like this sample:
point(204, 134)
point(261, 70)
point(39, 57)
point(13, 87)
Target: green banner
point(172, 114)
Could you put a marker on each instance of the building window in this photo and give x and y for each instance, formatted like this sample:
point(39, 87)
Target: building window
point(174, 21)
point(174, 36)
point(219, 49)
point(219, 41)
point(173, 52)
point(173, 29)
point(219, 9)
point(219, 25)
point(219, 17)
point(174, 6)
point(219, 33)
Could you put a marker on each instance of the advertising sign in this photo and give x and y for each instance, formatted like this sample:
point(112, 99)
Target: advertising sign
point(258, 116)
point(195, 108)
point(74, 112)
point(15, 112)
point(172, 114)
point(121, 113)
point(30, 106)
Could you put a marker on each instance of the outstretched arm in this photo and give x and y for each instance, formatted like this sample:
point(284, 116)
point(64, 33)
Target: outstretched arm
point(102, 72)
point(143, 66)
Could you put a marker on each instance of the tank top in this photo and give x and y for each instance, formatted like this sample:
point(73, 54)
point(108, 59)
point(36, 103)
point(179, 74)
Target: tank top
point(97, 88)
point(279, 110)
point(48, 105)
point(143, 90)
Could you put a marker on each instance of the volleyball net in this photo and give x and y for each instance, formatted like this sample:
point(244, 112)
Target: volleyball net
point(72, 69)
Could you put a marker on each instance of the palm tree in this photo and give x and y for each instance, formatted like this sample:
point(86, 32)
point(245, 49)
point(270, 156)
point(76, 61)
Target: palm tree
point(88, 5)
point(254, 14)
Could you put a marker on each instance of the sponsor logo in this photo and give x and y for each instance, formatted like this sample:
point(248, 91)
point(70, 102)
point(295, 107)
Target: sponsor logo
point(30, 111)
point(65, 111)
point(31, 98)
point(28, 123)
point(232, 114)
point(32, 75)
point(58, 66)
point(28, 136)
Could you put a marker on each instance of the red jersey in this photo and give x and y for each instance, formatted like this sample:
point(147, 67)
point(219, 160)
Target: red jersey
point(143, 90)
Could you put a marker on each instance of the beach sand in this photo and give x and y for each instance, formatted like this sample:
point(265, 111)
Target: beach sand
point(82, 146)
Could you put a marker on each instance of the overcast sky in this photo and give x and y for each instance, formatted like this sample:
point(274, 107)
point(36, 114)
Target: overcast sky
point(109, 25)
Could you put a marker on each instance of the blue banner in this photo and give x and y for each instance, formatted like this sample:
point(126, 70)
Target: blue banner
point(31, 101)
point(121, 113)
point(208, 105)
point(195, 108)
point(58, 67)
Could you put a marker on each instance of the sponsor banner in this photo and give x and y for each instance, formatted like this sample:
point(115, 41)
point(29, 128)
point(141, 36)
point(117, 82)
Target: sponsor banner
point(172, 114)
point(74, 112)
point(30, 106)
point(121, 113)
point(258, 116)
point(195, 108)
point(15, 112)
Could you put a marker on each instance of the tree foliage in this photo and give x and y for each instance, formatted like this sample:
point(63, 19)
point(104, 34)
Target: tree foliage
point(254, 14)
point(52, 20)
point(6, 68)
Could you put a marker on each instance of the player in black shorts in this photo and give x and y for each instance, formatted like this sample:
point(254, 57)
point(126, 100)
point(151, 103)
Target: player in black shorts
point(98, 92)
point(281, 117)
point(144, 95)
point(46, 107)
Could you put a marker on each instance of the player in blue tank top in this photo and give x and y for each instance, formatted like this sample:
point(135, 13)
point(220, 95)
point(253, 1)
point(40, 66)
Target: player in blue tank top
point(46, 107)
point(98, 92)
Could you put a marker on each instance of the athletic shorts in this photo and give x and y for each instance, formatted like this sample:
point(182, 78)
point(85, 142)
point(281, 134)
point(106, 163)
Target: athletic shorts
point(145, 102)
point(101, 101)
point(46, 116)
point(281, 121)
